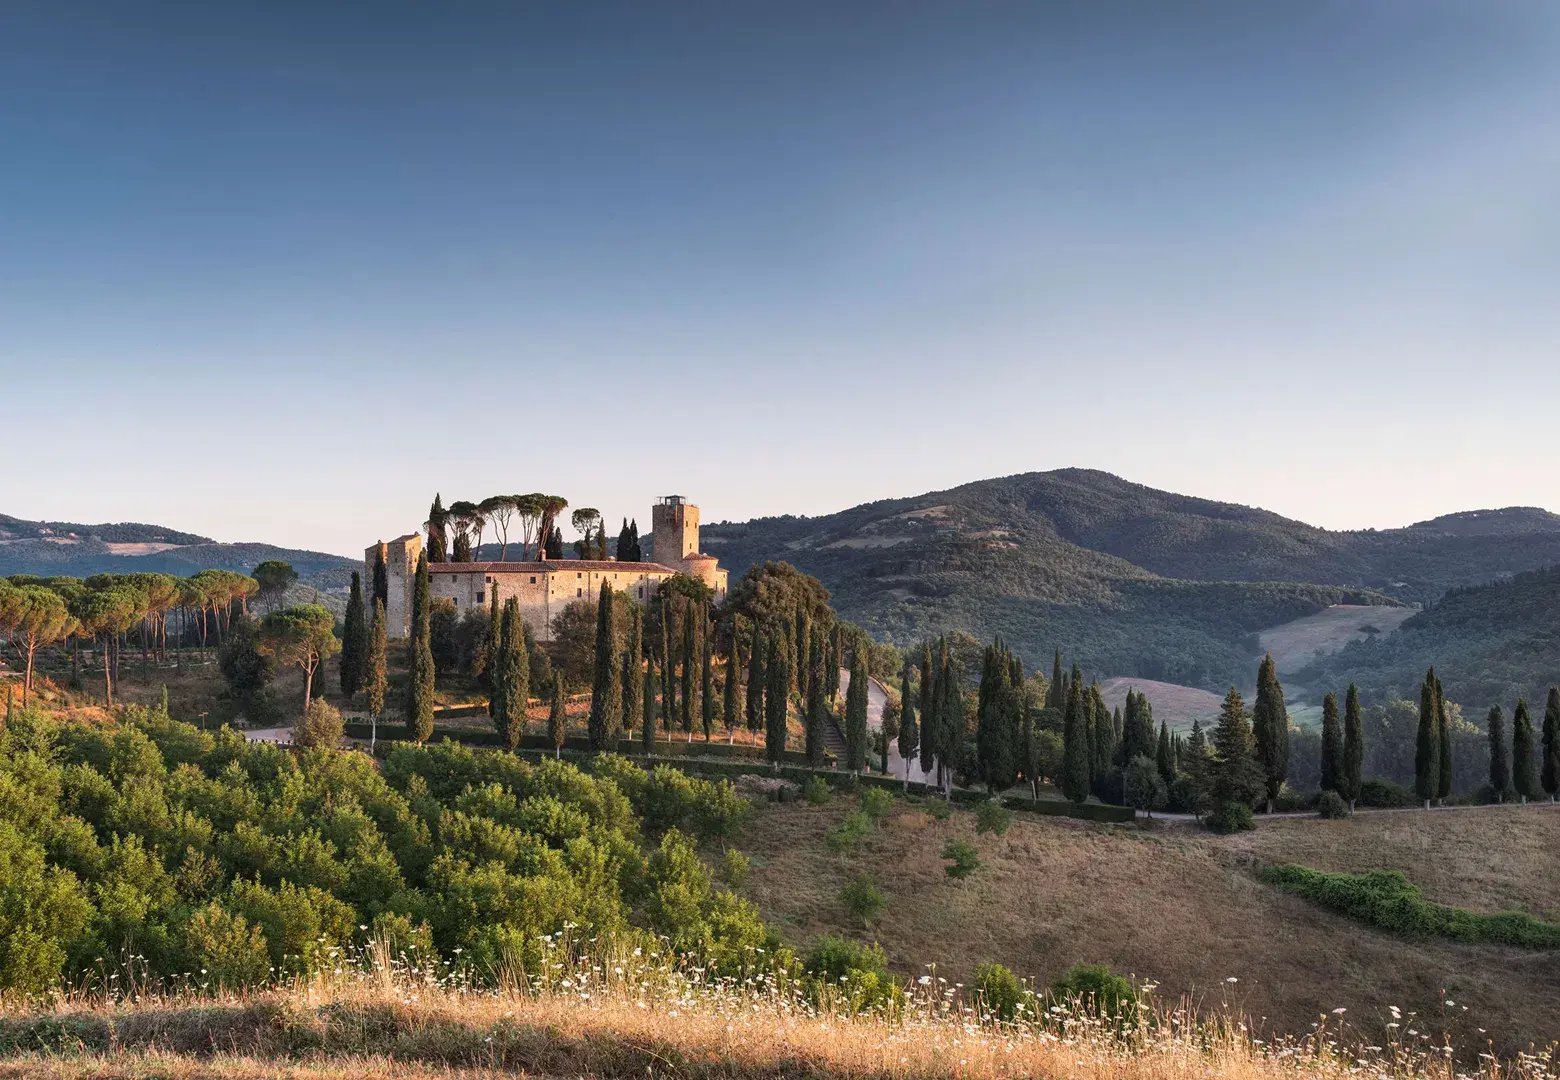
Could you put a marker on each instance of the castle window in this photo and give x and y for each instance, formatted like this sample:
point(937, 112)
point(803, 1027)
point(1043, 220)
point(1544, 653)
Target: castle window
point(578, 574)
point(641, 592)
point(579, 592)
point(479, 596)
point(533, 579)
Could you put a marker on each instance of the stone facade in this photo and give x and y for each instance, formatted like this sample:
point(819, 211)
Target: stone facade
point(544, 588)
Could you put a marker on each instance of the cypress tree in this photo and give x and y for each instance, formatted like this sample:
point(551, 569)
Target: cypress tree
point(950, 717)
point(1550, 773)
point(707, 688)
point(1075, 743)
point(1104, 741)
point(1056, 693)
point(1237, 777)
point(490, 646)
point(381, 577)
point(930, 751)
point(731, 703)
point(856, 711)
point(647, 713)
point(420, 685)
point(668, 668)
point(554, 544)
point(513, 677)
point(633, 669)
point(1427, 746)
point(1353, 747)
point(606, 698)
point(754, 704)
point(776, 704)
point(1524, 768)
point(689, 670)
point(814, 716)
point(1500, 753)
point(1164, 756)
point(354, 641)
point(1270, 729)
point(909, 733)
point(993, 742)
point(1444, 750)
point(377, 679)
point(557, 718)
point(1332, 745)
point(804, 645)
point(437, 551)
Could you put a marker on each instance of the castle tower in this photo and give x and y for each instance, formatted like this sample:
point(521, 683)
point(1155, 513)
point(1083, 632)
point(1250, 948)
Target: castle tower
point(401, 567)
point(675, 534)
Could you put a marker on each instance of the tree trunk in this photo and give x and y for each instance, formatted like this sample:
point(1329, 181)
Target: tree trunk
point(108, 678)
point(308, 686)
point(27, 677)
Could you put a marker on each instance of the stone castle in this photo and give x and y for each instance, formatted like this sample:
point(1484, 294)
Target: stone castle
point(546, 586)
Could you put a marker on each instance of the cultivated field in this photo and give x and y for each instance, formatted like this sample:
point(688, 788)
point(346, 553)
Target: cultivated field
point(1295, 644)
point(1182, 908)
point(1178, 705)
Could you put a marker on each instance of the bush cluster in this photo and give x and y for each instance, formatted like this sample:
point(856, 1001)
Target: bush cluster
point(1386, 899)
point(232, 863)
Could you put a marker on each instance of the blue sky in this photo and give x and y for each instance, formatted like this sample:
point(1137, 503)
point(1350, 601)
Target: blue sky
point(280, 271)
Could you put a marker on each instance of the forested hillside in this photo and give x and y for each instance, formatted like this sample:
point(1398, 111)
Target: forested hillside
point(51, 548)
point(1489, 643)
point(1132, 580)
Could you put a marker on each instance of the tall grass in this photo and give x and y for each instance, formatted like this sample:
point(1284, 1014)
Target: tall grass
point(624, 1013)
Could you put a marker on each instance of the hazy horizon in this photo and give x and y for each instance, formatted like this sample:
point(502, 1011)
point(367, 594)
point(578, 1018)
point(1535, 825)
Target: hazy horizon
point(280, 273)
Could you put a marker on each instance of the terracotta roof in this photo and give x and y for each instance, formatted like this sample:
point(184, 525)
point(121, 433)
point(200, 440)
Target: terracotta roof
point(700, 556)
point(549, 566)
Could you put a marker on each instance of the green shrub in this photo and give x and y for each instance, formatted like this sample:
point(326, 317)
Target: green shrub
point(1095, 990)
point(1386, 899)
point(876, 803)
point(320, 725)
point(939, 809)
point(1331, 805)
point(850, 974)
point(863, 899)
point(734, 867)
point(817, 791)
point(991, 816)
point(963, 859)
point(853, 828)
point(999, 996)
point(1385, 795)
point(1231, 817)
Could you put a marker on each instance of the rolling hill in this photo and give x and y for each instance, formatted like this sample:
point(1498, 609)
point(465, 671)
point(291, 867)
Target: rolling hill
point(1129, 580)
point(50, 548)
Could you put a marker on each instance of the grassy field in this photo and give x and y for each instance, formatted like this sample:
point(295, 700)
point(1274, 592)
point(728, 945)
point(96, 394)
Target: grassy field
point(1485, 859)
point(1295, 644)
point(1182, 908)
point(594, 1022)
point(1172, 703)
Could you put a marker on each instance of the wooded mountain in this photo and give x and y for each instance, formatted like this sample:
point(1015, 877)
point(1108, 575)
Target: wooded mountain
point(1128, 579)
point(50, 548)
point(1489, 643)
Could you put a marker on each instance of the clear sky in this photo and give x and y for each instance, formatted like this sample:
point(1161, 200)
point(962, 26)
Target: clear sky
point(279, 271)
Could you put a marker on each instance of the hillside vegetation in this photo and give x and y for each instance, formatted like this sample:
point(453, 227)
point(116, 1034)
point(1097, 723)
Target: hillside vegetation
point(1183, 909)
point(53, 548)
point(1490, 643)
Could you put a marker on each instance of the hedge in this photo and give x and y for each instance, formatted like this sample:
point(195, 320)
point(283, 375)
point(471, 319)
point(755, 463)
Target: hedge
point(490, 739)
point(1386, 899)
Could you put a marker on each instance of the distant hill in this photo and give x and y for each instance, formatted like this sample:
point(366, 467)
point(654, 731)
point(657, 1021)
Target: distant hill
point(1489, 643)
point(1130, 580)
point(64, 548)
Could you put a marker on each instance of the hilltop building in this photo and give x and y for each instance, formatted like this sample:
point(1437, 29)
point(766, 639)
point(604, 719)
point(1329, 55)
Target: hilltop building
point(546, 586)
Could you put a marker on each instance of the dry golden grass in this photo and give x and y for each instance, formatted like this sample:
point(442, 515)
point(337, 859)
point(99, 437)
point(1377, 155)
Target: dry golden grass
point(1175, 906)
point(597, 1024)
